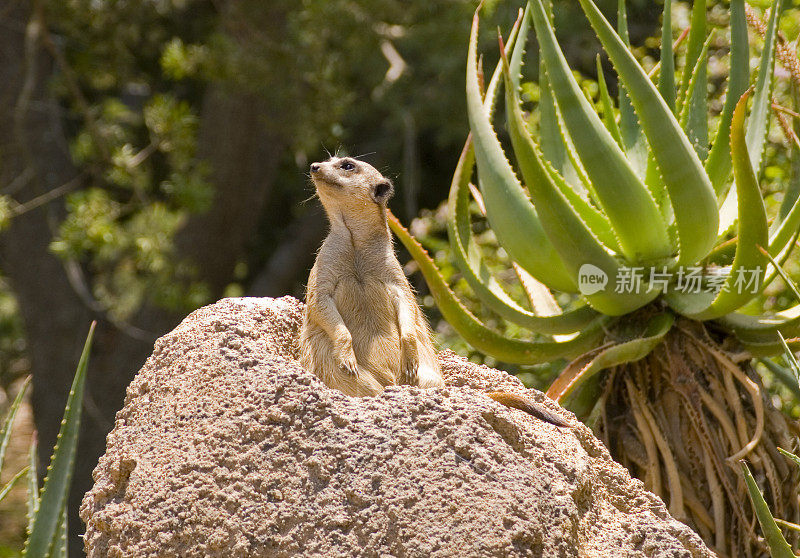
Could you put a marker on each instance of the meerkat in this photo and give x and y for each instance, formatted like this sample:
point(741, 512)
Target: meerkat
point(362, 328)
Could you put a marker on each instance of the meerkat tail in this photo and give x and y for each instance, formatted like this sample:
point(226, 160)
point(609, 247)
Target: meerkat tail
point(522, 403)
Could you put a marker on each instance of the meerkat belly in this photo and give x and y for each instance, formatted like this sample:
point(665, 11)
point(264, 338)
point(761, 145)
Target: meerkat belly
point(368, 312)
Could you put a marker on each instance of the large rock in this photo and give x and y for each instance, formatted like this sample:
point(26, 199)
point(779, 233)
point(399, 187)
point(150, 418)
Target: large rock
point(226, 446)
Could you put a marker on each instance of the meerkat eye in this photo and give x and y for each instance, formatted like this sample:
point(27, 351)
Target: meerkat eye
point(347, 165)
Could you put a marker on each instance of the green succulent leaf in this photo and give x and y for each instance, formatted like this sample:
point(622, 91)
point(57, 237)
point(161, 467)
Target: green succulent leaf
point(468, 259)
point(666, 77)
point(466, 251)
point(764, 330)
point(493, 89)
point(33, 486)
point(5, 431)
point(477, 334)
point(792, 192)
point(791, 456)
point(693, 201)
point(697, 34)
point(778, 547)
point(759, 116)
point(783, 236)
point(516, 50)
point(694, 116)
point(753, 234)
point(718, 164)
point(760, 113)
point(43, 538)
point(623, 197)
point(609, 118)
point(510, 213)
point(595, 220)
point(630, 351)
point(60, 539)
point(778, 262)
point(784, 376)
point(563, 222)
point(10, 484)
point(634, 145)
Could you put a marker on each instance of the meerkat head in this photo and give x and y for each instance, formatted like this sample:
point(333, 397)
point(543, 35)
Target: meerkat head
point(346, 182)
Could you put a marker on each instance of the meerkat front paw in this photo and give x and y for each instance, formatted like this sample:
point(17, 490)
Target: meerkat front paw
point(409, 362)
point(350, 365)
point(346, 359)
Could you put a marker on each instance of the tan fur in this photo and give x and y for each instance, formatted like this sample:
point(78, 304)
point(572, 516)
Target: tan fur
point(362, 329)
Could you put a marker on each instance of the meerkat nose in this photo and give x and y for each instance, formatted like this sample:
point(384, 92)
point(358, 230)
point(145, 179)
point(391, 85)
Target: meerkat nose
point(315, 167)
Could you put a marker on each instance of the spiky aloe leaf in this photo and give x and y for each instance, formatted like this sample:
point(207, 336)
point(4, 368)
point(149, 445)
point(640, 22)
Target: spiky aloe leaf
point(760, 112)
point(693, 201)
point(33, 486)
point(477, 334)
point(563, 222)
point(783, 375)
point(626, 202)
point(10, 484)
point(510, 213)
point(490, 98)
point(694, 115)
point(60, 540)
point(573, 377)
point(516, 50)
point(791, 456)
point(666, 77)
point(595, 220)
point(779, 260)
point(631, 132)
point(783, 237)
point(59, 474)
point(764, 335)
point(718, 164)
point(467, 256)
point(753, 234)
point(765, 330)
point(778, 547)
point(759, 116)
point(792, 192)
point(5, 431)
point(466, 252)
point(557, 146)
point(609, 118)
point(697, 34)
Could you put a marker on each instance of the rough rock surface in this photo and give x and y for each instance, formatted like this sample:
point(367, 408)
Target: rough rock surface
point(227, 447)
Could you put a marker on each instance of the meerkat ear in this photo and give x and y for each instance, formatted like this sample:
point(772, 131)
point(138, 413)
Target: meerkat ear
point(382, 191)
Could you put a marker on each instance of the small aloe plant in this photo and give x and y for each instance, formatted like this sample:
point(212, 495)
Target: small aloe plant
point(47, 513)
point(622, 212)
point(778, 546)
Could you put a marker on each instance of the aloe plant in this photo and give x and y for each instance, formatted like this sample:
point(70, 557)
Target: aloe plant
point(778, 546)
point(47, 513)
point(659, 235)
